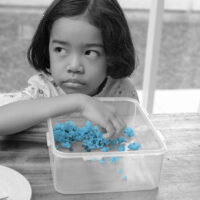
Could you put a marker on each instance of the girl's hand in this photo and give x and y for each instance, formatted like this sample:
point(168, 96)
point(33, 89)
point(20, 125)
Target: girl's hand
point(104, 115)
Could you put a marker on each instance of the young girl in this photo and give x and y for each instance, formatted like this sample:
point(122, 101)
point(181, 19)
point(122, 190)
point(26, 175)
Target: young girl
point(81, 49)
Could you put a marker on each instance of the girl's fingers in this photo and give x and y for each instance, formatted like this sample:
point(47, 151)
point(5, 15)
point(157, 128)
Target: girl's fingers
point(122, 123)
point(110, 129)
point(115, 126)
point(119, 125)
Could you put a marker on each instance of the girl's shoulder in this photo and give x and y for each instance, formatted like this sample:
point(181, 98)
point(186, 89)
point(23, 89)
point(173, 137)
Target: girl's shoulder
point(45, 84)
point(38, 86)
point(123, 87)
point(39, 79)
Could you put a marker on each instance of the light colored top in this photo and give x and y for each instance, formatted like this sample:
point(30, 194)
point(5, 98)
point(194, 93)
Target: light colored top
point(43, 86)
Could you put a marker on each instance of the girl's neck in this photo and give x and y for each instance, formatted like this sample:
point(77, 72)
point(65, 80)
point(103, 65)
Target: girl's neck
point(100, 88)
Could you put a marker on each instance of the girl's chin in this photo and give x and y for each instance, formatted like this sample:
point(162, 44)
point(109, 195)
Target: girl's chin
point(73, 91)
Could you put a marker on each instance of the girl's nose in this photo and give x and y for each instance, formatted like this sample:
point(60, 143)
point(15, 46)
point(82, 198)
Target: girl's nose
point(75, 65)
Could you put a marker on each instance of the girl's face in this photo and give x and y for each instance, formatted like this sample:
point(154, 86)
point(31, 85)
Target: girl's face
point(77, 58)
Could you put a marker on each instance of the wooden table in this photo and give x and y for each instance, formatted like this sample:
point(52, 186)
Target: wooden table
point(27, 153)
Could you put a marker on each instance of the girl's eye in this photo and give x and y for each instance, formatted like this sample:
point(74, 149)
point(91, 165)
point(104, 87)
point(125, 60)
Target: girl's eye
point(92, 54)
point(60, 50)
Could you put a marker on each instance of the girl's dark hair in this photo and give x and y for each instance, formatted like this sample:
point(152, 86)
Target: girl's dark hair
point(106, 15)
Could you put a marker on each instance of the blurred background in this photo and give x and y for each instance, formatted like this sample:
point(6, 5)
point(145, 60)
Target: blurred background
point(177, 87)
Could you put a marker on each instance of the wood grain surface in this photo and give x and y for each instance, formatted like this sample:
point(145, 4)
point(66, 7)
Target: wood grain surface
point(27, 153)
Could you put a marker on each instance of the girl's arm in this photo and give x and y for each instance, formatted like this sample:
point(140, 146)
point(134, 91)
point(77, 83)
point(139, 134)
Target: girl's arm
point(18, 116)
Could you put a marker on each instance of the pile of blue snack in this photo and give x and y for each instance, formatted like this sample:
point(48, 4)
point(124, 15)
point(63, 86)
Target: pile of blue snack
point(90, 136)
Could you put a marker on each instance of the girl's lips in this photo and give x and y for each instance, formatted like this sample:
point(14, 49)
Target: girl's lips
point(74, 83)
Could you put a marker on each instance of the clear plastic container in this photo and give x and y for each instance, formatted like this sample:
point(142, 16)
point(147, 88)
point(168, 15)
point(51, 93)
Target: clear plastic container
point(77, 172)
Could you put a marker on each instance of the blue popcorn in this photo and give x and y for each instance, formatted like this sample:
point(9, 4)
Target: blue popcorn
point(106, 141)
point(83, 130)
point(99, 134)
point(129, 132)
point(114, 159)
point(105, 149)
point(115, 141)
point(90, 136)
point(58, 126)
point(59, 135)
point(121, 148)
point(102, 161)
point(95, 129)
point(119, 171)
point(68, 125)
point(134, 146)
point(88, 124)
point(66, 145)
point(112, 146)
point(121, 140)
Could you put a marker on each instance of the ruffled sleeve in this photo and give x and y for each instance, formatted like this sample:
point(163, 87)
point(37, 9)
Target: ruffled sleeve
point(37, 88)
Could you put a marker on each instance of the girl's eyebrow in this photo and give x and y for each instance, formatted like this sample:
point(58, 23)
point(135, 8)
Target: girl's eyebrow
point(61, 42)
point(86, 45)
point(94, 45)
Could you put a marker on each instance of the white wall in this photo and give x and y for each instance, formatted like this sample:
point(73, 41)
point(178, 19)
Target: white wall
point(26, 2)
point(128, 4)
point(169, 4)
